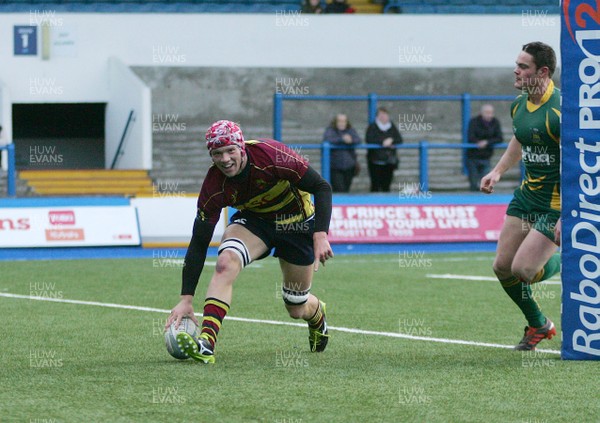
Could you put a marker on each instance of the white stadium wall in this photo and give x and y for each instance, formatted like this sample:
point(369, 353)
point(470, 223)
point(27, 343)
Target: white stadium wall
point(126, 93)
point(5, 121)
point(77, 70)
point(5, 104)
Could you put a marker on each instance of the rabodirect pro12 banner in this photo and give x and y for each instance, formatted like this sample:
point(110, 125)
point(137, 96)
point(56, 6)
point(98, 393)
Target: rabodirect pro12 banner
point(580, 183)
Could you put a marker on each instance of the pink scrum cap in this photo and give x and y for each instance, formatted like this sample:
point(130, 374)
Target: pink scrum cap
point(223, 133)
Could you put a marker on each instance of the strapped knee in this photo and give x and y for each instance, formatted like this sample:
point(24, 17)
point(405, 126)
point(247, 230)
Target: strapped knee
point(294, 298)
point(237, 247)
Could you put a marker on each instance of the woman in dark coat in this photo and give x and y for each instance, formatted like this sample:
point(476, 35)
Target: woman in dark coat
point(343, 161)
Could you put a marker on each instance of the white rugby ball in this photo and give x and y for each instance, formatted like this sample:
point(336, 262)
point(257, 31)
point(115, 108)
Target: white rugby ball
point(186, 325)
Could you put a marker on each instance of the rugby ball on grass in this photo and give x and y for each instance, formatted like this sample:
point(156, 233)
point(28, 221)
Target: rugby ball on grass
point(186, 325)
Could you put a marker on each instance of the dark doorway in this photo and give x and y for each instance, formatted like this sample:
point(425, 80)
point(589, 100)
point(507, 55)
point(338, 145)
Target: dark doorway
point(59, 135)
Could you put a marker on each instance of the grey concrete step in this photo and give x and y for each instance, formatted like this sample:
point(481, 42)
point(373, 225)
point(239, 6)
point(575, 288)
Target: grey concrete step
point(22, 189)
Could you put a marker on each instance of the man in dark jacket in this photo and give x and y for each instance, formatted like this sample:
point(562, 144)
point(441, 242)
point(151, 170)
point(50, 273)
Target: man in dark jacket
point(382, 161)
point(484, 131)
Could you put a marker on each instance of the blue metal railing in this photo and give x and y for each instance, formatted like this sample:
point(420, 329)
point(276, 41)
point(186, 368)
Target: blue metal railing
point(372, 100)
point(278, 105)
point(325, 148)
point(11, 175)
point(422, 146)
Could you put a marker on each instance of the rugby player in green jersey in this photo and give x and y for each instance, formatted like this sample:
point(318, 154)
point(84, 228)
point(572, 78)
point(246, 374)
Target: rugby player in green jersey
point(527, 247)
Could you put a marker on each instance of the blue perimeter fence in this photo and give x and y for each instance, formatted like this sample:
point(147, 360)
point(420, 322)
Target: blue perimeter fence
point(423, 147)
point(372, 100)
point(325, 147)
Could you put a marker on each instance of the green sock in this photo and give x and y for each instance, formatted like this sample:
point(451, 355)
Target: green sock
point(521, 294)
point(551, 268)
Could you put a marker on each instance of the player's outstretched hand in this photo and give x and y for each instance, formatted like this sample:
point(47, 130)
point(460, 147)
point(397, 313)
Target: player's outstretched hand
point(557, 231)
point(323, 251)
point(181, 310)
point(488, 181)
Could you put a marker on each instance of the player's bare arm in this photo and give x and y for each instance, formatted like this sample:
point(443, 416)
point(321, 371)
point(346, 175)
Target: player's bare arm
point(511, 157)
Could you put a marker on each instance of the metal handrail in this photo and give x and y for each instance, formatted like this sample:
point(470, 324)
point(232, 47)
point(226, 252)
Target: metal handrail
point(372, 100)
point(423, 146)
point(120, 151)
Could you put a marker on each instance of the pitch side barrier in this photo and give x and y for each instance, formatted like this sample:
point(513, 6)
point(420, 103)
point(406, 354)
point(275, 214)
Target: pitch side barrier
point(422, 146)
point(580, 183)
point(11, 170)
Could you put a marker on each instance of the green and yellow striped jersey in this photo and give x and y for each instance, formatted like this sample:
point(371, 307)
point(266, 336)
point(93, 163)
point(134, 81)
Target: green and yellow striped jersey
point(537, 128)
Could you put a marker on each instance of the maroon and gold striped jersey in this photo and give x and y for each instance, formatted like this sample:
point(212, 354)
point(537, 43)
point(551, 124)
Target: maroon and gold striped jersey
point(265, 188)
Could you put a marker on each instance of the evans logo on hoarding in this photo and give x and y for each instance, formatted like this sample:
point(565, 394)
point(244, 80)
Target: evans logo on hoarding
point(61, 217)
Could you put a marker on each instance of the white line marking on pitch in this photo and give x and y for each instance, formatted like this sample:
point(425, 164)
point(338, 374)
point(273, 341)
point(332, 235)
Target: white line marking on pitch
point(272, 322)
point(395, 259)
point(478, 278)
point(252, 265)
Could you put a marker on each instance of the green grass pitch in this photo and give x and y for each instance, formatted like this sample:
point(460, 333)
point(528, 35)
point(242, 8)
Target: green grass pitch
point(65, 362)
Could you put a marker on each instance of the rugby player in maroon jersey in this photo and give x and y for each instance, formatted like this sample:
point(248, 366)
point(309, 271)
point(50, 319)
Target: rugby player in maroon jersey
point(270, 186)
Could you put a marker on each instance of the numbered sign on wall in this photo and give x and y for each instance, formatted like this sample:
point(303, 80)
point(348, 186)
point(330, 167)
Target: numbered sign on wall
point(25, 40)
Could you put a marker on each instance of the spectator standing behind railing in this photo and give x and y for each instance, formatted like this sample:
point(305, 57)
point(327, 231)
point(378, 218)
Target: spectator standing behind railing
point(485, 131)
point(344, 165)
point(382, 161)
point(339, 6)
point(311, 6)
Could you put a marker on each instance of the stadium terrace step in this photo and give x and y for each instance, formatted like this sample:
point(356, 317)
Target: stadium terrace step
point(81, 174)
point(366, 6)
point(518, 7)
point(87, 182)
point(22, 189)
point(110, 190)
